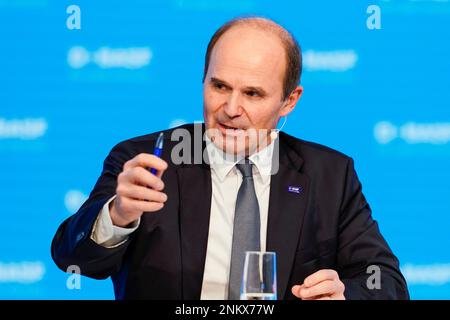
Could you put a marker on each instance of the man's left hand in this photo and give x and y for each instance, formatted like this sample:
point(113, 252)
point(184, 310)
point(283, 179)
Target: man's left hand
point(321, 285)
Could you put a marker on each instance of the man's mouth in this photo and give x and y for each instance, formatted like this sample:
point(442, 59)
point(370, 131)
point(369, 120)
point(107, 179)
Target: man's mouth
point(230, 130)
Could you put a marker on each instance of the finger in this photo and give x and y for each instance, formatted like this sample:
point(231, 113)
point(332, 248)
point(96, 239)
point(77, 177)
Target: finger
point(296, 290)
point(319, 276)
point(327, 287)
point(141, 176)
point(323, 298)
point(159, 173)
point(142, 206)
point(339, 294)
point(141, 193)
point(146, 160)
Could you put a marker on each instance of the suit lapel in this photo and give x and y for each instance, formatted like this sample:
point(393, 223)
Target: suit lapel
point(195, 202)
point(195, 205)
point(286, 211)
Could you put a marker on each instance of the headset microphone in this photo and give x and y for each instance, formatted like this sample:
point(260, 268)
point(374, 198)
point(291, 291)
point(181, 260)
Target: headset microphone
point(274, 133)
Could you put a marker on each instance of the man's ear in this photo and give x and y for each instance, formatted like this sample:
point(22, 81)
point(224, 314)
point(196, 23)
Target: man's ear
point(291, 101)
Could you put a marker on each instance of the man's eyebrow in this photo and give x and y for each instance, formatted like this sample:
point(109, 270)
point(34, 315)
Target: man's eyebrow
point(260, 90)
point(216, 80)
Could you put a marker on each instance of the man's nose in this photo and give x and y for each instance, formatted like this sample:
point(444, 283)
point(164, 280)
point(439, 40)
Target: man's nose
point(232, 106)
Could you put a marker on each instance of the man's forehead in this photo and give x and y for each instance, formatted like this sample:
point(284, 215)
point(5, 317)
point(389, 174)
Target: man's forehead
point(251, 44)
point(251, 52)
point(244, 76)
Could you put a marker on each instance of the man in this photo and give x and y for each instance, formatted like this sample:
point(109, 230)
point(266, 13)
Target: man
point(181, 234)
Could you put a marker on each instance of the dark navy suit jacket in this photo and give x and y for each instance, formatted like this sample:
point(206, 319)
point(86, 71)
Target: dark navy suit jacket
point(328, 225)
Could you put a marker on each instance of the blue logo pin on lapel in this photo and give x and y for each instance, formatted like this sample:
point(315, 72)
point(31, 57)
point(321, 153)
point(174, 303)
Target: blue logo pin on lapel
point(295, 189)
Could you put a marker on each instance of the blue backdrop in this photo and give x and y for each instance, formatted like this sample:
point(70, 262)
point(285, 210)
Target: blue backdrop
point(68, 95)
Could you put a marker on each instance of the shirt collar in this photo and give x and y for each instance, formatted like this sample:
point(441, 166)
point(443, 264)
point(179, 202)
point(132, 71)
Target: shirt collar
point(222, 163)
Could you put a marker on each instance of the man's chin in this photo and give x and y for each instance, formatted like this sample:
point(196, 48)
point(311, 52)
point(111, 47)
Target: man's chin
point(234, 133)
point(237, 142)
point(233, 146)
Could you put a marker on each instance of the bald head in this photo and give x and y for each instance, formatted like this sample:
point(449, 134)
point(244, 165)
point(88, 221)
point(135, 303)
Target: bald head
point(248, 27)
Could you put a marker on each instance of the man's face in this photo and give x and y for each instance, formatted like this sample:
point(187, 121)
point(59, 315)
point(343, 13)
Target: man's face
point(243, 89)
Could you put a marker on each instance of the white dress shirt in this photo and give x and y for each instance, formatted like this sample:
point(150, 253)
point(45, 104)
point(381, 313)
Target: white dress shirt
point(226, 180)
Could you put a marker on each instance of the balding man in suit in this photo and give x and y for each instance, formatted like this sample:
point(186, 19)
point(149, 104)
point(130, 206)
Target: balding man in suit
point(180, 233)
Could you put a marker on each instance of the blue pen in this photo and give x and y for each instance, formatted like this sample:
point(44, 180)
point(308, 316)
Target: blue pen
point(158, 149)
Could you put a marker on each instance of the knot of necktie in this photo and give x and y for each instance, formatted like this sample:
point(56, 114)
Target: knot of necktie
point(246, 169)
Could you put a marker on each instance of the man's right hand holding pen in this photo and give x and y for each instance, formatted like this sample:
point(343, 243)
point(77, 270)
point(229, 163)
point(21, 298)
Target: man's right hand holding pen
point(138, 190)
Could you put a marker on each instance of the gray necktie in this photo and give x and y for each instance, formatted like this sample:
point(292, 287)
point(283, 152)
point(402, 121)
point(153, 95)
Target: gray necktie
point(246, 230)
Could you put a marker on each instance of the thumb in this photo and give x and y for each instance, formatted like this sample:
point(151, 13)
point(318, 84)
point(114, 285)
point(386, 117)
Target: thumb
point(296, 290)
point(160, 173)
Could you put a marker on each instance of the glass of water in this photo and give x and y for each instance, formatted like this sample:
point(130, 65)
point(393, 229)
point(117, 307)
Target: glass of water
point(259, 280)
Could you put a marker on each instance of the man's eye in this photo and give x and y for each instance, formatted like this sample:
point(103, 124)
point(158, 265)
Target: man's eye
point(253, 93)
point(219, 86)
